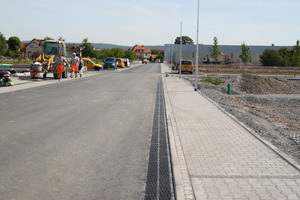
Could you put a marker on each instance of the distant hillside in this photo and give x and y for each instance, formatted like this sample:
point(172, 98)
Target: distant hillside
point(110, 46)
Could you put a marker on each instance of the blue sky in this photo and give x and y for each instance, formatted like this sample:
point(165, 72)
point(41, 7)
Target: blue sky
point(153, 22)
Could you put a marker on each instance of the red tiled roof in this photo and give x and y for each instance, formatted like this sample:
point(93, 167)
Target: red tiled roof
point(41, 42)
point(23, 44)
point(142, 49)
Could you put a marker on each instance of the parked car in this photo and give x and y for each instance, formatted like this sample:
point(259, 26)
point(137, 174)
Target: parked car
point(145, 61)
point(120, 63)
point(91, 64)
point(126, 62)
point(110, 62)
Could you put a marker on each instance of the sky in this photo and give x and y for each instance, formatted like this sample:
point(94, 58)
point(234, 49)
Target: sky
point(153, 22)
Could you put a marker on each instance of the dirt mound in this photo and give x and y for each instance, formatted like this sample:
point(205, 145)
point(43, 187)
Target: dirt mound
point(264, 85)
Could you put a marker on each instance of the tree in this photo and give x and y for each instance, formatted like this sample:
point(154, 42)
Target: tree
point(61, 39)
point(245, 55)
point(271, 57)
point(296, 56)
point(105, 53)
point(215, 52)
point(118, 53)
point(88, 49)
point(130, 55)
point(2, 44)
point(154, 51)
point(11, 53)
point(185, 40)
point(14, 44)
point(48, 38)
point(285, 53)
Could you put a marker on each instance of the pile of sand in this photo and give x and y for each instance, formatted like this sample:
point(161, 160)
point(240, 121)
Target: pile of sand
point(264, 85)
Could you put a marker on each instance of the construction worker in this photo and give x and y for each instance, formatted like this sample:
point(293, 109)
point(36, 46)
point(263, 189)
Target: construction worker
point(60, 61)
point(80, 66)
point(6, 79)
point(74, 65)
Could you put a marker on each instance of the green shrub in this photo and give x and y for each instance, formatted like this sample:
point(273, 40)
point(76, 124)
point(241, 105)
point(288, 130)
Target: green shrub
point(214, 81)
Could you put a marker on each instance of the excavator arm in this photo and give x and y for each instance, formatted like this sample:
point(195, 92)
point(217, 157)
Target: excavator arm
point(229, 60)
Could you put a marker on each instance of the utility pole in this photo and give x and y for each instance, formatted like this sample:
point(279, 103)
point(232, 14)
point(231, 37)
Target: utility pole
point(171, 52)
point(197, 50)
point(180, 50)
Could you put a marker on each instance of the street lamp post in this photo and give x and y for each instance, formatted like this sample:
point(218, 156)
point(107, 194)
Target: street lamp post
point(197, 50)
point(180, 50)
point(171, 52)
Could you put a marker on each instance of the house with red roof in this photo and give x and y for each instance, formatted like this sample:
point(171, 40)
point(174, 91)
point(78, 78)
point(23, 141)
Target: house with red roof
point(141, 51)
point(74, 48)
point(34, 48)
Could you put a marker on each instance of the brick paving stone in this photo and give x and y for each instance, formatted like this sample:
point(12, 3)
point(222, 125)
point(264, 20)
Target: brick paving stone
point(222, 157)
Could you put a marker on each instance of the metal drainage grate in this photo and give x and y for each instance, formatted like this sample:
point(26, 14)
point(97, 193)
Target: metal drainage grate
point(159, 183)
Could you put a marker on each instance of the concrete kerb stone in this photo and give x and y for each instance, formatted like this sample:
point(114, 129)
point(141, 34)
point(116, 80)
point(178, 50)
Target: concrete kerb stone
point(284, 156)
point(183, 184)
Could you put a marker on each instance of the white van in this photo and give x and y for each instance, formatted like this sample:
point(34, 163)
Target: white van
point(126, 62)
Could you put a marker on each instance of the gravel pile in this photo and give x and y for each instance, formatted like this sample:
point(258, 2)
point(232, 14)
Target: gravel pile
point(264, 85)
point(268, 105)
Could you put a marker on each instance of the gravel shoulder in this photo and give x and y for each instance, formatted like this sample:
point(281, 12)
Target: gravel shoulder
point(269, 105)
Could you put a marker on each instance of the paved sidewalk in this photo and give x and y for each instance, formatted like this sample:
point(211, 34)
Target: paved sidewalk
point(214, 157)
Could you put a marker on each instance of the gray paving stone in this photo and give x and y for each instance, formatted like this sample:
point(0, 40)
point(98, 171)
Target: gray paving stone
point(223, 159)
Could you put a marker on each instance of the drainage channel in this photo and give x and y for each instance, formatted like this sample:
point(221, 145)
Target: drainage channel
point(159, 183)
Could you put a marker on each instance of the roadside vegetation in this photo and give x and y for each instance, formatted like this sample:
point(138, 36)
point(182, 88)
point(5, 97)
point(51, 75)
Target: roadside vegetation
point(282, 57)
point(89, 51)
point(18, 61)
point(215, 52)
point(213, 81)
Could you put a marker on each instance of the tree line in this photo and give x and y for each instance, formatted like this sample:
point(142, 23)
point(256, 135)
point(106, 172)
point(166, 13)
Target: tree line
point(89, 51)
point(14, 49)
point(281, 57)
point(14, 45)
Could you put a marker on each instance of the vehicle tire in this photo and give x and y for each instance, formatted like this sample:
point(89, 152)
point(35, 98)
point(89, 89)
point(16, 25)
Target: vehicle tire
point(96, 68)
point(191, 72)
point(55, 75)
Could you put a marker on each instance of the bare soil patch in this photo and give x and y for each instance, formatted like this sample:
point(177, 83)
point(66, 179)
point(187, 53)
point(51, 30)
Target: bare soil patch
point(270, 106)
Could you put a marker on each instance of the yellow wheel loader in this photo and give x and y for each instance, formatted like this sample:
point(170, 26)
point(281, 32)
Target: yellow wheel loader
point(45, 62)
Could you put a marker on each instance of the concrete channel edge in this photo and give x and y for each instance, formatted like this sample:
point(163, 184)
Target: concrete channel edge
point(183, 184)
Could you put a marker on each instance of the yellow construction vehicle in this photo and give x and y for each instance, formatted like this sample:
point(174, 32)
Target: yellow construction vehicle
point(228, 60)
point(45, 62)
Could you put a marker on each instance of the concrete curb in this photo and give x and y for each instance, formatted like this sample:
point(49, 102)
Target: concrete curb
point(183, 184)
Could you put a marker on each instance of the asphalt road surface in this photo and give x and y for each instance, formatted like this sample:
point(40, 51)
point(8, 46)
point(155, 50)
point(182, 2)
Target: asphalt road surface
point(86, 138)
